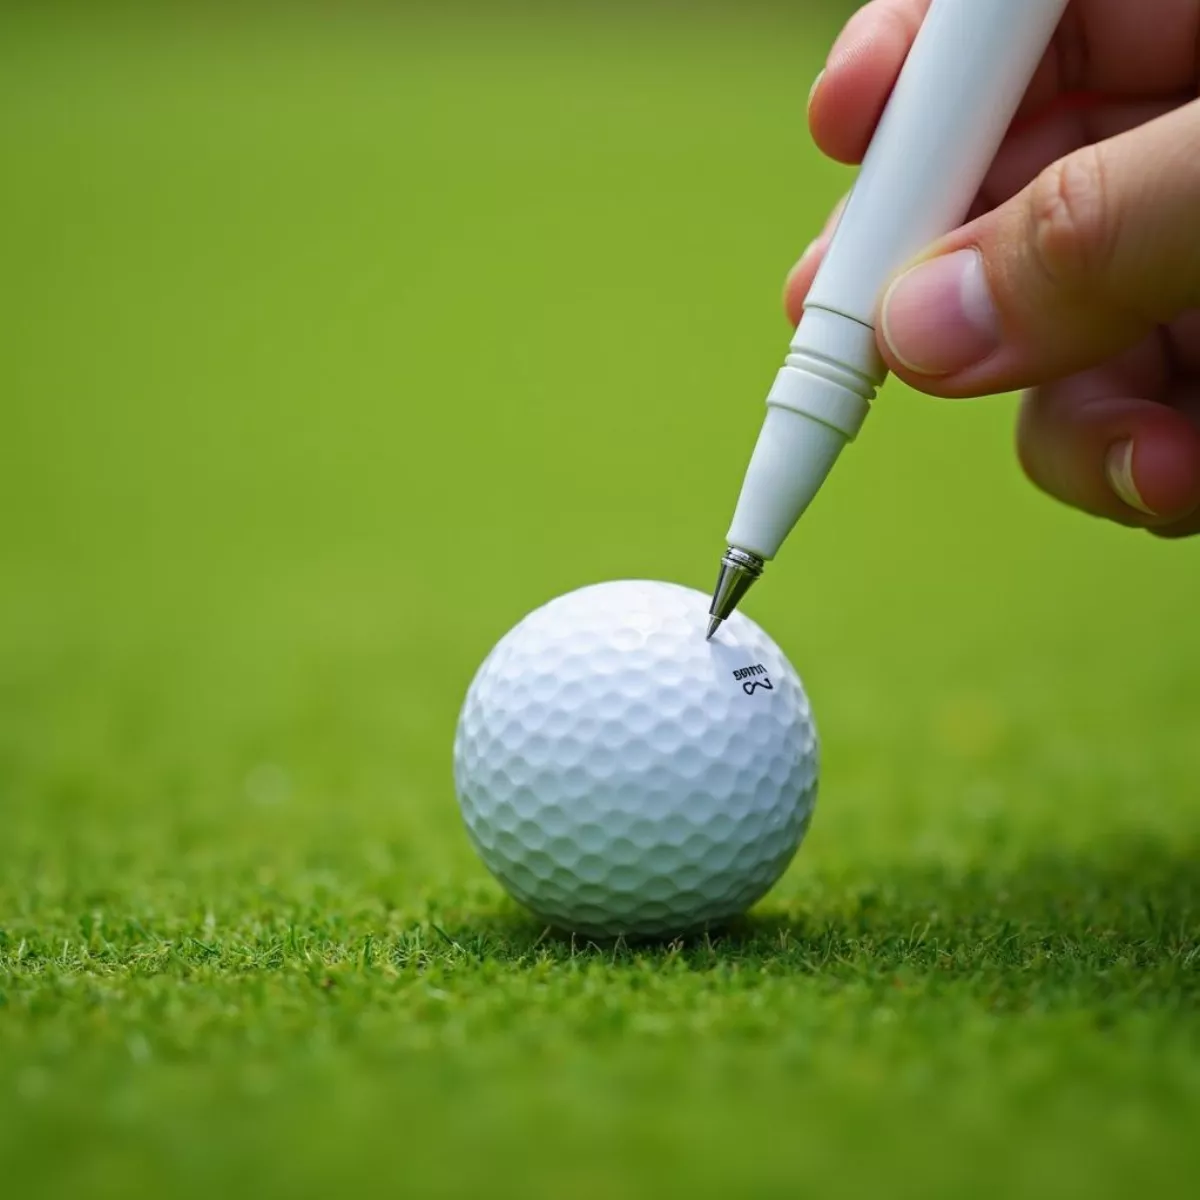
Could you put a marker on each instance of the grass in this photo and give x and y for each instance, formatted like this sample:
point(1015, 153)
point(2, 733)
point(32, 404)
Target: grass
point(329, 350)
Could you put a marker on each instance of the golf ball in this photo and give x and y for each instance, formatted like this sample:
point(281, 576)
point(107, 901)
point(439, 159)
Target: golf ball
point(621, 775)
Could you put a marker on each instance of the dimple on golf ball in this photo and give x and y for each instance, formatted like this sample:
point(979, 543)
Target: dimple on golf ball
point(621, 775)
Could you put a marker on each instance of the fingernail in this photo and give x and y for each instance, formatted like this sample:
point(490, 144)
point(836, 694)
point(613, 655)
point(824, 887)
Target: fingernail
point(809, 251)
point(812, 91)
point(1118, 466)
point(835, 217)
point(939, 318)
point(801, 265)
point(802, 261)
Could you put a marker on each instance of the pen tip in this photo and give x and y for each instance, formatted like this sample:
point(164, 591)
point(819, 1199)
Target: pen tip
point(714, 623)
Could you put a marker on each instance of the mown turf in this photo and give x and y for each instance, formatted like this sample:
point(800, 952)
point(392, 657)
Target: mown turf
point(327, 351)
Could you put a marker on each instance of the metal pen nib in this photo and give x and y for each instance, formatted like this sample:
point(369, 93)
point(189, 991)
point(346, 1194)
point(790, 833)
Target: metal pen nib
point(739, 570)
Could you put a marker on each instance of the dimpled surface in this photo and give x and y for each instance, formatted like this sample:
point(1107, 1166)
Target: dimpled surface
point(620, 775)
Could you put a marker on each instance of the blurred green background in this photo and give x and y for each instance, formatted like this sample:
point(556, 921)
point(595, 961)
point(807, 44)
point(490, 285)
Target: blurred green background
point(332, 341)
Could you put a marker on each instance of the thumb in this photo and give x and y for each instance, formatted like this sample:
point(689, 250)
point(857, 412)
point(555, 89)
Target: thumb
point(1097, 251)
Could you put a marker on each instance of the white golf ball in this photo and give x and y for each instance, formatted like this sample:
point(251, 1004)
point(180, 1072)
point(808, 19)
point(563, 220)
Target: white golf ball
point(620, 775)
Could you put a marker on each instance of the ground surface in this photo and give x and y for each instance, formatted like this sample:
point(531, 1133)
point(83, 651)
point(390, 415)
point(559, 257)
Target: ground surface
point(328, 353)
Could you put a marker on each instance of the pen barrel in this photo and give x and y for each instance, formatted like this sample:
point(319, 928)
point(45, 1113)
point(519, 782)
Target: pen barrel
point(961, 86)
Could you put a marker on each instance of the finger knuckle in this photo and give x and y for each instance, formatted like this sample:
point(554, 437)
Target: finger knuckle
point(1025, 438)
point(1031, 437)
point(1177, 532)
point(1073, 230)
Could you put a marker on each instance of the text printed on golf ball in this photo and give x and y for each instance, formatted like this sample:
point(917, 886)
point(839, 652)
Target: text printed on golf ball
point(754, 677)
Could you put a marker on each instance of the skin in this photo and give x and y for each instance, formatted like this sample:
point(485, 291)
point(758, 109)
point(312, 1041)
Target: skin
point(1088, 232)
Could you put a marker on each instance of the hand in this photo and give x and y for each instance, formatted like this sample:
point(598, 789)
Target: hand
point(1078, 275)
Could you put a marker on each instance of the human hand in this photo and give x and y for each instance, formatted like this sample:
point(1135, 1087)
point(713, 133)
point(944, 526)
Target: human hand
point(1077, 277)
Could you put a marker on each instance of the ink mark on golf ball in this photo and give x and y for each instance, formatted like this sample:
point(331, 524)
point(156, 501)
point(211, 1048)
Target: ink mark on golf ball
point(751, 685)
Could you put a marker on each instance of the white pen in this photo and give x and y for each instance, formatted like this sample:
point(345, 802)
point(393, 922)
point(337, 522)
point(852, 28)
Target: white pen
point(961, 85)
